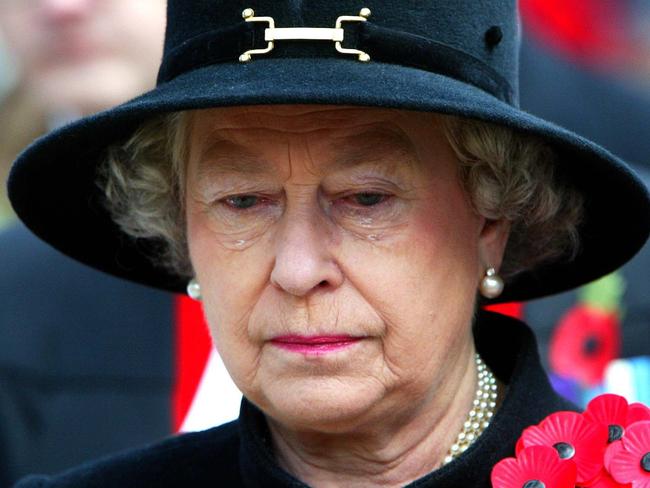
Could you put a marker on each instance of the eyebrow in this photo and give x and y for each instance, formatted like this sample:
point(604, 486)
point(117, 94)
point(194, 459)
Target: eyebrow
point(376, 146)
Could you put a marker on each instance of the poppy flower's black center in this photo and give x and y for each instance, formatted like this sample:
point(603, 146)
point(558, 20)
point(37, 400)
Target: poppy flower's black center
point(565, 450)
point(615, 433)
point(534, 484)
point(591, 346)
point(645, 462)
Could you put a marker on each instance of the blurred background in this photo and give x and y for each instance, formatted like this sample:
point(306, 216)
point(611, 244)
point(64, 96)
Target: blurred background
point(90, 365)
point(585, 64)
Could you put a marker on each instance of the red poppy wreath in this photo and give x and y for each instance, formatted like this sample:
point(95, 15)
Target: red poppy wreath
point(607, 446)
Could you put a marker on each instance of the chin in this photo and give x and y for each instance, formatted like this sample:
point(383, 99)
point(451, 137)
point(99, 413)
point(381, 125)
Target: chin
point(328, 405)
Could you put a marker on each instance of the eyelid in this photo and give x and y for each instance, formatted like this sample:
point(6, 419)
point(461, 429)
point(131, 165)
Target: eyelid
point(346, 204)
point(365, 182)
point(220, 192)
point(385, 195)
point(227, 201)
point(262, 199)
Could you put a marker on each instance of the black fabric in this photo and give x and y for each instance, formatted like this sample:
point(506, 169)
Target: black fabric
point(391, 46)
point(86, 360)
point(240, 453)
point(209, 48)
point(61, 167)
point(386, 45)
point(461, 23)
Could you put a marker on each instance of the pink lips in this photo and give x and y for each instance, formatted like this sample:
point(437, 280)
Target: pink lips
point(314, 344)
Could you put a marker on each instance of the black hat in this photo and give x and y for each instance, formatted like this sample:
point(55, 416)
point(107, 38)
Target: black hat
point(454, 57)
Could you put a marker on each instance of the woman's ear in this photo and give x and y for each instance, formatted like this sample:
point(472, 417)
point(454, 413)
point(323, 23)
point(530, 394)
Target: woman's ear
point(492, 243)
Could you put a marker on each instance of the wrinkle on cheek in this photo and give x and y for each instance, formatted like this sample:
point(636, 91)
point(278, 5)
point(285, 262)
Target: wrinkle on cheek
point(399, 339)
point(409, 363)
point(373, 234)
point(200, 216)
point(230, 303)
point(237, 345)
point(373, 238)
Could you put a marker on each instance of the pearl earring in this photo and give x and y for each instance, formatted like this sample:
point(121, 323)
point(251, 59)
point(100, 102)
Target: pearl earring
point(491, 284)
point(194, 289)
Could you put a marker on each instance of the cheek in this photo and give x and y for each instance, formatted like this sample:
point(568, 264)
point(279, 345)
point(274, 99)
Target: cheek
point(421, 281)
point(432, 259)
point(231, 283)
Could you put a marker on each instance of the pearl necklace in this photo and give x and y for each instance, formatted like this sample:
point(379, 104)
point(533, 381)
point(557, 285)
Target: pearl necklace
point(480, 415)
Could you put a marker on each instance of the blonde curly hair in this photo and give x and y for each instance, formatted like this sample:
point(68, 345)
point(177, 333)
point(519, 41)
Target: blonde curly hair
point(507, 175)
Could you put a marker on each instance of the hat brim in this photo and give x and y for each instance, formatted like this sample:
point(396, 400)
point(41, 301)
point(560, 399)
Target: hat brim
point(52, 184)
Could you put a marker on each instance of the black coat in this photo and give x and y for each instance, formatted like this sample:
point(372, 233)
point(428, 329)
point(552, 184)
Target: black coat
point(86, 360)
point(239, 453)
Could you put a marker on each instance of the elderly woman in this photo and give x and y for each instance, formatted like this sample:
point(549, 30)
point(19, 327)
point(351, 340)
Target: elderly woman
point(342, 214)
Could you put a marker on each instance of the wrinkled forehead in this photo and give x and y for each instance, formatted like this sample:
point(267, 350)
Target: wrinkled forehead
point(356, 130)
point(304, 118)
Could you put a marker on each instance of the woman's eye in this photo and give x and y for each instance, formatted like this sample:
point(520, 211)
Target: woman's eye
point(242, 202)
point(368, 199)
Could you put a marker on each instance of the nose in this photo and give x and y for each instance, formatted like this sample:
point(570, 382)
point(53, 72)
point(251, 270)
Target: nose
point(64, 11)
point(303, 259)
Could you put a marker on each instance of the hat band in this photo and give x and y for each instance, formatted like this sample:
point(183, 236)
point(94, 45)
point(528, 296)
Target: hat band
point(384, 45)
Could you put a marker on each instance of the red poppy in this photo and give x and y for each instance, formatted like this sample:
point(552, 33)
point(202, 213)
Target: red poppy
point(534, 466)
point(637, 412)
point(611, 451)
point(520, 445)
point(629, 460)
point(606, 481)
point(584, 342)
point(611, 411)
point(614, 412)
point(573, 437)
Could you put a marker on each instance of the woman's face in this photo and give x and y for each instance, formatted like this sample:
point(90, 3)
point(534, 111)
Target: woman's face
point(338, 257)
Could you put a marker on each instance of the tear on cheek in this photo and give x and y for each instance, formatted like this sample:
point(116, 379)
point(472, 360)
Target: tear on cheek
point(237, 234)
point(239, 242)
point(376, 234)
